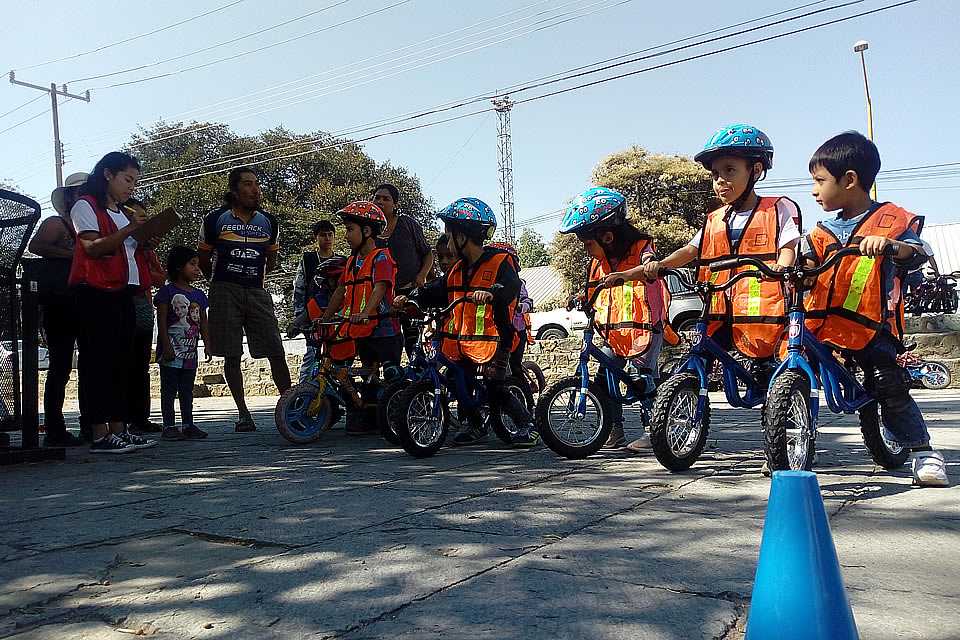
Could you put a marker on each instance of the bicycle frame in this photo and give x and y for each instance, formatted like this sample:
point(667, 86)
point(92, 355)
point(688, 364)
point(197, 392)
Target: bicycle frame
point(614, 374)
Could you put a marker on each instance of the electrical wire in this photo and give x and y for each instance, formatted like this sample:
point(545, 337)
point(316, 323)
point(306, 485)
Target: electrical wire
point(281, 146)
point(379, 76)
point(242, 53)
point(539, 82)
point(132, 38)
point(27, 103)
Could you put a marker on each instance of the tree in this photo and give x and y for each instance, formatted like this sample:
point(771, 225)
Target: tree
point(667, 197)
point(533, 252)
point(299, 190)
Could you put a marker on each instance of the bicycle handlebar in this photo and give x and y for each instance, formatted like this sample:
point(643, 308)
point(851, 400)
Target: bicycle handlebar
point(795, 272)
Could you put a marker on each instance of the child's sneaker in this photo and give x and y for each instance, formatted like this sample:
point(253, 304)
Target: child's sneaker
point(192, 432)
point(929, 469)
point(245, 425)
point(472, 435)
point(640, 445)
point(111, 444)
point(135, 441)
point(172, 433)
point(525, 438)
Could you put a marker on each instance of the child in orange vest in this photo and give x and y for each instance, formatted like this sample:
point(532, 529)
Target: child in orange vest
point(364, 297)
point(479, 332)
point(856, 306)
point(750, 316)
point(634, 331)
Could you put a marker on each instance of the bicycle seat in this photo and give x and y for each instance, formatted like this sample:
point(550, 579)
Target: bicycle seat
point(909, 346)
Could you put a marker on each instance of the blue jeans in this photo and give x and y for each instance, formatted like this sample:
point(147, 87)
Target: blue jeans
point(309, 362)
point(901, 416)
point(175, 382)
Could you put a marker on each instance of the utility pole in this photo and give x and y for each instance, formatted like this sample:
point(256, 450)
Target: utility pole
point(860, 47)
point(54, 92)
point(505, 160)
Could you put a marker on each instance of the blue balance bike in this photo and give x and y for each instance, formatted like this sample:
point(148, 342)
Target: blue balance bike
point(793, 402)
point(681, 411)
point(573, 416)
point(422, 414)
point(306, 410)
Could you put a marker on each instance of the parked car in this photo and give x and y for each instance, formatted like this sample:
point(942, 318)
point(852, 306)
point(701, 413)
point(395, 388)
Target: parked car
point(557, 324)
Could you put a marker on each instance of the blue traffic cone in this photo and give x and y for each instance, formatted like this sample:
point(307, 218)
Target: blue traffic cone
point(798, 591)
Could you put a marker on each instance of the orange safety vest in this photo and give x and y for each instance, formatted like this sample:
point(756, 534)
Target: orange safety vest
point(624, 317)
point(470, 332)
point(754, 308)
point(358, 287)
point(848, 306)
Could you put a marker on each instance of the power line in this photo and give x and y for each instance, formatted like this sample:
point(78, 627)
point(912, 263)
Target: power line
point(272, 90)
point(280, 146)
point(31, 118)
point(241, 54)
point(542, 96)
point(132, 38)
point(378, 77)
point(521, 86)
point(15, 109)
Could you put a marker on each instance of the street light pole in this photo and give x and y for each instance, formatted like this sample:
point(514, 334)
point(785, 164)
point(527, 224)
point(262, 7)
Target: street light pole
point(54, 92)
point(860, 47)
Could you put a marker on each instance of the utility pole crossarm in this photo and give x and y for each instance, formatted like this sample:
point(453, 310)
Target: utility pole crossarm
point(53, 93)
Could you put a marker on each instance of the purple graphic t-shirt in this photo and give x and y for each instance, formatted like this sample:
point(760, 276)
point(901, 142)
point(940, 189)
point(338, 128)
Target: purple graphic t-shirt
point(183, 323)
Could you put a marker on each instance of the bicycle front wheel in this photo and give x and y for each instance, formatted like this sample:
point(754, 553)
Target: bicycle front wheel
point(788, 429)
point(562, 428)
point(423, 419)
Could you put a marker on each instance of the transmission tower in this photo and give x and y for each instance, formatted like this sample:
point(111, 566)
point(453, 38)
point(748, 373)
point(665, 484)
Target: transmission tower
point(505, 160)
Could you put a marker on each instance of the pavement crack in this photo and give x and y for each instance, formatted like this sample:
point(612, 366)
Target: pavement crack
point(251, 543)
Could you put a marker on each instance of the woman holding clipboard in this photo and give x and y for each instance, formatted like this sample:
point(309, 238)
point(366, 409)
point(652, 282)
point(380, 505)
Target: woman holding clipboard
point(109, 268)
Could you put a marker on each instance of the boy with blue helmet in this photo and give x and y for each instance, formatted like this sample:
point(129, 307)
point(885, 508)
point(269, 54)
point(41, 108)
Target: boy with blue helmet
point(631, 317)
point(750, 316)
point(480, 332)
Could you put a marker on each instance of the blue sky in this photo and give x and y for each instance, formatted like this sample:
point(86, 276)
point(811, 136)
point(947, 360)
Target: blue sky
point(800, 90)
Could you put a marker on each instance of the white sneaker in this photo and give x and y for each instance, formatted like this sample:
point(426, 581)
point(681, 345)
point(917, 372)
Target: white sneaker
point(640, 445)
point(929, 469)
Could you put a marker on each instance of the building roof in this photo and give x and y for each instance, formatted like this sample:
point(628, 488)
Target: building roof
point(945, 240)
point(543, 284)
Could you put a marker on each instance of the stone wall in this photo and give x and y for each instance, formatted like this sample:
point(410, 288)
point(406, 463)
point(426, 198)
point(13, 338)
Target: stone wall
point(937, 337)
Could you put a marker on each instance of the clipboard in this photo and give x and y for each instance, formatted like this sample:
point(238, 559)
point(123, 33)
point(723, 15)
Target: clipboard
point(157, 226)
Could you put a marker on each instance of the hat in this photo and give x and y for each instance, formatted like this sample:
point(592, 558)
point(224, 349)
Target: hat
point(56, 197)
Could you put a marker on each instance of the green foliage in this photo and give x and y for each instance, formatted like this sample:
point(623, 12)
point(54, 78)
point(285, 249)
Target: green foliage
point(667, 196)
point(532, 250)
point(298, 190)
point(570, 260)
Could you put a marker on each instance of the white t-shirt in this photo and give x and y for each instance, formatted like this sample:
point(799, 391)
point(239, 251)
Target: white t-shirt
point(787, 212)
point(85, 219)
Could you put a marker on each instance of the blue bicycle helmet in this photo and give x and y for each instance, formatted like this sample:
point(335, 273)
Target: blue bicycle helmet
point(598, 207)
point(742, 140)
point(472, 214)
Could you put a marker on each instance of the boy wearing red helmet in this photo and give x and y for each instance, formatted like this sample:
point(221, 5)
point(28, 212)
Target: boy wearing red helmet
point(364, 297)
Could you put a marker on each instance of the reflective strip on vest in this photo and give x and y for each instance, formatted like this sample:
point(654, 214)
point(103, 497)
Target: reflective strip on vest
point(479, 324)
point(628, 295)
point(753, 301)
point(858, 282)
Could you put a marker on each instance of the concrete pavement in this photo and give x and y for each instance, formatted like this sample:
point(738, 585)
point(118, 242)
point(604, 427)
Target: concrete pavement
point(245, 536)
